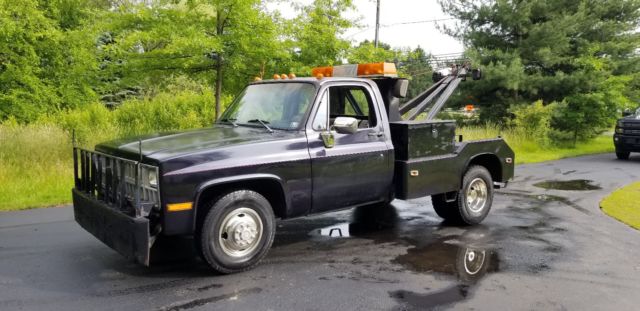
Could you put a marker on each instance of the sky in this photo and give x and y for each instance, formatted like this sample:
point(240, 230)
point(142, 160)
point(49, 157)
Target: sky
point(393, 12)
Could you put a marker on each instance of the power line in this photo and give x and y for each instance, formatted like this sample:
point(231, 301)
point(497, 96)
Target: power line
point(401, 23)
point(419, 22)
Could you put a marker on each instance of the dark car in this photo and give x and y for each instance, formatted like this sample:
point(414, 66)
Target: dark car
point(627, 135)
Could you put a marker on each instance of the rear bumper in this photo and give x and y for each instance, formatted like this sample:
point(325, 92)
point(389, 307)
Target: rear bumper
point(627, 143)
point(127, 235)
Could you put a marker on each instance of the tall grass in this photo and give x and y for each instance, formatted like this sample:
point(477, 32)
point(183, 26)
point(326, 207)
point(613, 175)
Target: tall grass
point(530, 149)
point(36, 165)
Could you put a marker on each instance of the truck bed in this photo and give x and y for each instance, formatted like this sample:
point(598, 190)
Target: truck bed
point(428, 160)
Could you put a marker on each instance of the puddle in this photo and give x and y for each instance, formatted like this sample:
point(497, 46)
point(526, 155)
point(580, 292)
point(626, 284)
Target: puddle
point(568, 185)
point(467, 264)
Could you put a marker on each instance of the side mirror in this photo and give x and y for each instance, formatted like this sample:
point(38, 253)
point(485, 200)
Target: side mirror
point(400, 89)
point(327, 139)
point(346, 125)
point(626, 112)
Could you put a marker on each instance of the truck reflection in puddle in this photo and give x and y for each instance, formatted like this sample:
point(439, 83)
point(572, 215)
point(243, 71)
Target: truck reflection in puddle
point(459, 253)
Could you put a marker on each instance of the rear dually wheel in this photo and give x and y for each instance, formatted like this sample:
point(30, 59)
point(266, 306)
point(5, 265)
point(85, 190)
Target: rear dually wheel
point(472, 203)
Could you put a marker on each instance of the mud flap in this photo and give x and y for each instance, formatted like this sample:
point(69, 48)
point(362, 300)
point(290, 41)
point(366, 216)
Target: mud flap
point(127, 235)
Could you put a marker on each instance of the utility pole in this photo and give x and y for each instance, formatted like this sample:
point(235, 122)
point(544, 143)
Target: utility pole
point(377, 22)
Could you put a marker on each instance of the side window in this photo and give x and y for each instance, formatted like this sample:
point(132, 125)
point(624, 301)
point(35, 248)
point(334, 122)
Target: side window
point(357, 102)
point(321, 120)
point(352, 101)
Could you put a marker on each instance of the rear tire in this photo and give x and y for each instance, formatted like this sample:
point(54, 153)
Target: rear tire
point(473, 201)
point(443, 208)
point(622, 155)
point(237, 231)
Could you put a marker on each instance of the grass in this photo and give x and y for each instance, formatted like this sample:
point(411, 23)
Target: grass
point(36, 165)
point(528, 150)
point(622, 205)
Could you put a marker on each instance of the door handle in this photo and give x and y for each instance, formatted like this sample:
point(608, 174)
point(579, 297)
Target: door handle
point(376, 134)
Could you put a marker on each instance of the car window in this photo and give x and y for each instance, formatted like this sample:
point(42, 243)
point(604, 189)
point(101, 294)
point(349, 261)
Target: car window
point(281, 105)
point(352, 101)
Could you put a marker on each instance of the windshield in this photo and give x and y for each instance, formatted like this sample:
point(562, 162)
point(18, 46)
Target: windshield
point(279, 105)
point(638, 113)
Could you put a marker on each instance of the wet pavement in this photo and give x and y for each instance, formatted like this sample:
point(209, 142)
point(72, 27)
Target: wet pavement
point(539, 248)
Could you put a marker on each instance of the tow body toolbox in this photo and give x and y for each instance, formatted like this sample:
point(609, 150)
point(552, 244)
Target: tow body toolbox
point(417, 139)
point(425, 162)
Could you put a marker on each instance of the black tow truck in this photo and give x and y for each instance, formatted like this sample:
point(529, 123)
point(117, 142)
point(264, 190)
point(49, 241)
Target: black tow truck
point(286, 148)
point(627, 134)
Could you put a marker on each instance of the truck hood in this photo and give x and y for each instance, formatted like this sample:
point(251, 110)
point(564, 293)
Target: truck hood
point(158, 147)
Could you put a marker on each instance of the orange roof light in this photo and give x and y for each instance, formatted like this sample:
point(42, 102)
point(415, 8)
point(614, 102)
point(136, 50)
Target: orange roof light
point(324, 71)
point(377, 69)
point(372, 70)
point(276, 77)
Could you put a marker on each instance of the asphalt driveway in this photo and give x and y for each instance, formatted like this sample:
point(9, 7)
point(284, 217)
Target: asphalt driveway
point(539, 249)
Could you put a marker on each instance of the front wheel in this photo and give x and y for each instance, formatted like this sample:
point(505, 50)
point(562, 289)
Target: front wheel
point(622, 155)
point(473, 201)
point(237, 231)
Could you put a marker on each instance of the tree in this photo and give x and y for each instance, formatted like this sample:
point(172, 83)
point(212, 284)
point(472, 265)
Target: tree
point(570, 52)
point(222, 42)
point(315, 34)
point(46, 63)
point(366, 52)
point(417, 68)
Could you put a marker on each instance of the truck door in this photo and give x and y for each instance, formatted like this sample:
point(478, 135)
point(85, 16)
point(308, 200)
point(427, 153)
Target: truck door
point(357, 168)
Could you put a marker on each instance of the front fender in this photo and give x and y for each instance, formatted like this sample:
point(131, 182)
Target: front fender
point(238, 179)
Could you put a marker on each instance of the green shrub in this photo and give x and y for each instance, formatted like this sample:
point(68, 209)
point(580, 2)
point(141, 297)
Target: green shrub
point(532, 121)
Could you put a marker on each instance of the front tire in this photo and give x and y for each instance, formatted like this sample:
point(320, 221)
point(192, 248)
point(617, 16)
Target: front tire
point(237, 232)
point(622, 155)
point(473, 201)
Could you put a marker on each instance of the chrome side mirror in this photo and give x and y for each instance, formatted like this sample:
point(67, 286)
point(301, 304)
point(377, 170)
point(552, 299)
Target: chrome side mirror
point(327, 139)
point(346, 125)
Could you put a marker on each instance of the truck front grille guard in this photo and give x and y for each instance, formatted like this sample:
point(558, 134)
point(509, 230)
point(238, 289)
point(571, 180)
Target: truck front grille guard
point(115, 181)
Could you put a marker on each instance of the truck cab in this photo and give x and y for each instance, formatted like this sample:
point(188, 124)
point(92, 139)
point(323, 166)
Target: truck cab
point(286, 148)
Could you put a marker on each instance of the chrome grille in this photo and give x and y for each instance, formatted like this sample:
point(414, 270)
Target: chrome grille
point(115, 181)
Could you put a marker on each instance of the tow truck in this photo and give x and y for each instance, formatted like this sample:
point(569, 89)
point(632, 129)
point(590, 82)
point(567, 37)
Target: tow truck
point(285, 148)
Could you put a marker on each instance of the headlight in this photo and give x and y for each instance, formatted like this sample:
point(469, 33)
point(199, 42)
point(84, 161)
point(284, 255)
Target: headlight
point(619, 130)
point(149, 176)
point(153, 179)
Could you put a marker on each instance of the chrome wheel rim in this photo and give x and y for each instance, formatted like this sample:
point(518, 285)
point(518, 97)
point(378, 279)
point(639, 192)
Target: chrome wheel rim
point(477, 195)
point(240, 232)
point(473, 261)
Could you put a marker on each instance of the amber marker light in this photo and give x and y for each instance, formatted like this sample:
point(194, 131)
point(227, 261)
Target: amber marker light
point(276, 77)
point(257, 79)
point(283, 76)
point(177, 207)
point(292, 75)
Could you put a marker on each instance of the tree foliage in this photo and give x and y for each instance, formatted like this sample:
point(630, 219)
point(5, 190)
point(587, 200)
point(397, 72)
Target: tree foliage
point(581, 54)
point(64, 54)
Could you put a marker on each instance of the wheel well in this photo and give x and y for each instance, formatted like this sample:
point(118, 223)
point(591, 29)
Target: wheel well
point(491, 163)
point(269, 188)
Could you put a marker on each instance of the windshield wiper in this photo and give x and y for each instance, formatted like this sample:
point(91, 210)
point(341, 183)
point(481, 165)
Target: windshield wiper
point(230, 120)
point(263, 123)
